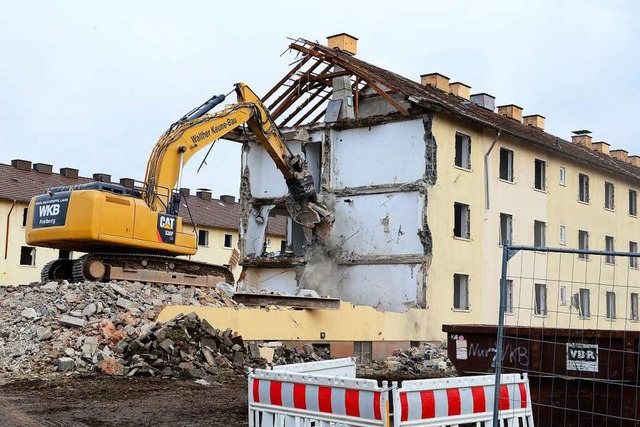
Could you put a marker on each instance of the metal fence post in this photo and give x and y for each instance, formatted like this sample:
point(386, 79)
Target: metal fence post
point(498, 360)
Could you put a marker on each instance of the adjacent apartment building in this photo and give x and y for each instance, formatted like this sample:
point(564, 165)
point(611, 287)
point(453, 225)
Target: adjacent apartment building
point(426, 180)
point(216, 220)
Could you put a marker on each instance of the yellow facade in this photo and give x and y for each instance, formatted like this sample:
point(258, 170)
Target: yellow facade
point(480, 256)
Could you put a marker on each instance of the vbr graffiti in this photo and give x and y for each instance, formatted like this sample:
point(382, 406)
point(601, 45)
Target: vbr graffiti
point(518, 356)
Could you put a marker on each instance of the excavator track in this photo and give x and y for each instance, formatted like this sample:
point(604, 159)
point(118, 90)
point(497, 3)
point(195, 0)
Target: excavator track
point(58, 269)
point(148, 268)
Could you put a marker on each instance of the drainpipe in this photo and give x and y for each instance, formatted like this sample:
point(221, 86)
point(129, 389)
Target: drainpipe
point(6, 238)
point(486, 168)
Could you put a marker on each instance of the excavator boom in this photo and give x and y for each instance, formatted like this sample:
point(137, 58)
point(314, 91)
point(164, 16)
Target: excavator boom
point(107, 220)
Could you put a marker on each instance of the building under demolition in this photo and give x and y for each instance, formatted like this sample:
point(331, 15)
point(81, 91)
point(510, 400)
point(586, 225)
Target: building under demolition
point(425, 180)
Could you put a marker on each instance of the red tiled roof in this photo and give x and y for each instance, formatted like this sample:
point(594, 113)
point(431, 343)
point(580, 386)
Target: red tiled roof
point(21, 186)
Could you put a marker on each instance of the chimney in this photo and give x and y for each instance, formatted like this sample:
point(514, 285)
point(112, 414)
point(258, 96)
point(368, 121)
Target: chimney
point(226, 198)
point(512, 111)
point(43, 168)
point(101, 177)
point(69, 173)
point(23, 165)
point(128, 183)
point(582, 137)
point(436, 80)
point(619, 154)
point(634, 160)
point(203, 193)
point(534, 120)
point(484, 100)
point(601, 147)
point(185, 192)
point(460, 89)
point(343, 42)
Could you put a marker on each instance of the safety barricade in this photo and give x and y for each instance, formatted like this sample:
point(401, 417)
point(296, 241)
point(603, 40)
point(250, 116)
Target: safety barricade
point(462, 400)
point(283, 399)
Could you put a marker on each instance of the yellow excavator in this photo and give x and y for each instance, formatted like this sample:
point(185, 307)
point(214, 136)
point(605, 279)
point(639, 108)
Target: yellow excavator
point(136, 233)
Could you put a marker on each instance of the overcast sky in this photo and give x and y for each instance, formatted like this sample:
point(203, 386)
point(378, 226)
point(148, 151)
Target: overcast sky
point(92, 85)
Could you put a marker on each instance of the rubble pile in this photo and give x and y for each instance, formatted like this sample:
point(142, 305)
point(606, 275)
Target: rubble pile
point(109, 328)
point(41, 324)
point(284, 355)
point(425, 361)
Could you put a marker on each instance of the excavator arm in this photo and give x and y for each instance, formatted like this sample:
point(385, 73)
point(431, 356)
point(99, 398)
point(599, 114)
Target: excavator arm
point(198, 130)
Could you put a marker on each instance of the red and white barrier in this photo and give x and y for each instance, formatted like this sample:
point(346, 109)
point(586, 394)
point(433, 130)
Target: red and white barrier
point(454, 401)
point(322, 394)
point(278, 398)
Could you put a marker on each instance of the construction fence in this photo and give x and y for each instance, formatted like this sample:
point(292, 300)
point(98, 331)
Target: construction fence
point(570, 320)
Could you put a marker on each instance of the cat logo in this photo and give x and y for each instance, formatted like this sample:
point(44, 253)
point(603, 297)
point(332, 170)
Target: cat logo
point(166, 230)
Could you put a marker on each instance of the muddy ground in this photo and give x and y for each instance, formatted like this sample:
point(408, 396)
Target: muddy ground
point(114, 401)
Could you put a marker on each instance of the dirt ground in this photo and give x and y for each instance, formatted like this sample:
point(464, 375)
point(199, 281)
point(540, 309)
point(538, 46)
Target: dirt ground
point(111, 401)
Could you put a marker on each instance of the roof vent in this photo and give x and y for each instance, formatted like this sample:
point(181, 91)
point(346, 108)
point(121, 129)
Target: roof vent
point(619, 154)
point(534, 120)
point(344, 42)
point(484, 100)
point(101, 177)
point(23, 165)
point(582, 137)
point(436, 80)
point(227, 198)
point(600, 147)
point(460, 89)
point(512, 111)
point(43, 168)
point(69, 173)
point(185, 192)
point(203, 193)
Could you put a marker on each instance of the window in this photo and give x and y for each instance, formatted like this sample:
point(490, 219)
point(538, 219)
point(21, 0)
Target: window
point(463, 151)
point(268, 243)
point(539, 234)
point(27, 255)
point(540, 299)
point(611, 305)
point(508, 307)
point(634, 306)
point(609, 195)
point(583, 243)
point(583, 188)
point(540, 167)
point(633, 202)
point(461, 292)
point(563, 174)
point(462, 225)
point(563, 235)
point(584, 308)
point(203, 238)
point(633, 248)
point(228, 241)
point(563, 295)
point(506, 228)
point(25, 212)
point(362, 351)
point(608, 244)
point(506, 164)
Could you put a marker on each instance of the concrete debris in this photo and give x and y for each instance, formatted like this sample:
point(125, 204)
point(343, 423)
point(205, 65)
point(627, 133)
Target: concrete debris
point(427, 360)
point(109, 328)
